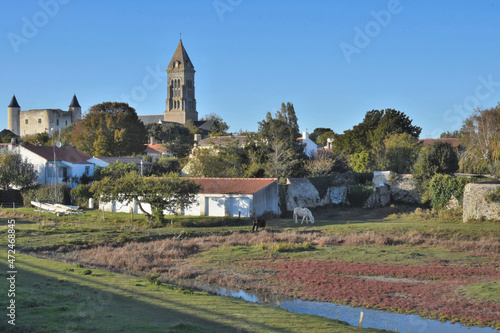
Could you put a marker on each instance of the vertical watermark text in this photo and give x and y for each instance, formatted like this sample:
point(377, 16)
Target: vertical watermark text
point(11, 272)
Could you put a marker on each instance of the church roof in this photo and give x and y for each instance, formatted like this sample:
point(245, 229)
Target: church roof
point(13, 102)
point(181, 58)
point(74, 102)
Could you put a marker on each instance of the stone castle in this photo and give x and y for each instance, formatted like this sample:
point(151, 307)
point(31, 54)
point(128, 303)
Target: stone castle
point(28, 122)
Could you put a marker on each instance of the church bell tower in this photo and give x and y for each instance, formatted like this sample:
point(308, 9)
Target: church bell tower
point(181, 102)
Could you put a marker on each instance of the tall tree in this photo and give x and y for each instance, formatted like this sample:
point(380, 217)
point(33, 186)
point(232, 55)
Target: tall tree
point(481, 138)
point(277, 139)
point(375, 127)
point(177, 138)
point(318, 132)
point(397, 153)
point(110, 129)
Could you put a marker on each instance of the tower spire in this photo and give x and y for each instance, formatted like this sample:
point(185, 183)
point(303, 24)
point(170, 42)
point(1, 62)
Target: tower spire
point(13, 102)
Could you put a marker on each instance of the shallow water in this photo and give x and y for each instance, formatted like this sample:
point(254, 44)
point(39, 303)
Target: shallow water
point(371, 318)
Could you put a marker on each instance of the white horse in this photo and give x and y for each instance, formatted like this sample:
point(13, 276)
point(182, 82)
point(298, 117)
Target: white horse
point(304, 213)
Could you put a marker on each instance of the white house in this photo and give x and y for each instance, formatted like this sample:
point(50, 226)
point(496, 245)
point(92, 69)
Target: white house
point(245, 197)
point(65, 162)
point(311, 147)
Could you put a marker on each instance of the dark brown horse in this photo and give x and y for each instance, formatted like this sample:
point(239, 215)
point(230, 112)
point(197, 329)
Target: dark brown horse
point(259, 222)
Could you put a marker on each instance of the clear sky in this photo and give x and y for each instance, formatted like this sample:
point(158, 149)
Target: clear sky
point(334, 60)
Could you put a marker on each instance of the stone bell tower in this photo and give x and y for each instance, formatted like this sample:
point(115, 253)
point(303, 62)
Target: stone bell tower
point(181, 102)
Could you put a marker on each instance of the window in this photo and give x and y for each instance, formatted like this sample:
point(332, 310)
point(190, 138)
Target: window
point(66, 122)
point(65, 172)
point(57, 122)
point(87, 170)
point(39, 120)
point(26, 121)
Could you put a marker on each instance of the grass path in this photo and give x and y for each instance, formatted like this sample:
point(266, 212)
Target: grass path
point(58, 297)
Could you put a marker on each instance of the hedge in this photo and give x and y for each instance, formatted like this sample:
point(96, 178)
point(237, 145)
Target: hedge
point(46, 193)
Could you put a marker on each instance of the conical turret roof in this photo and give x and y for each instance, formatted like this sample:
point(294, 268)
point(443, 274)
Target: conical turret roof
point(74, 102)
point(180, 60)
point(13, 102)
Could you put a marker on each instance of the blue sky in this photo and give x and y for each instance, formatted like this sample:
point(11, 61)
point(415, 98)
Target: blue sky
point(334, 60)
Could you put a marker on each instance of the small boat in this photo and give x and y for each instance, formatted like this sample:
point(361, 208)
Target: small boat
point(55, 208)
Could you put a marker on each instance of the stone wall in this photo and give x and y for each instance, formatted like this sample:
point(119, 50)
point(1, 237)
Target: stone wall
point(476, 207)
point(389, 187)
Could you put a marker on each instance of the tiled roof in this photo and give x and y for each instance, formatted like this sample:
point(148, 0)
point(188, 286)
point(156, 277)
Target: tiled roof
point(182, 57)
point(452, 141)
point(232, 185)
point(156, 148)
point(65, 153)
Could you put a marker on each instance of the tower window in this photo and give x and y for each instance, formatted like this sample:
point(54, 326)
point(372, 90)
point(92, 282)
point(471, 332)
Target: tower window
point(66, 122)
point(39, 120)
point(57, 122)
point(26, 121)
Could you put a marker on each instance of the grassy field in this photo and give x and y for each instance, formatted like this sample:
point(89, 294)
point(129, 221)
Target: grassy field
point(58, 297)
point(378, 249)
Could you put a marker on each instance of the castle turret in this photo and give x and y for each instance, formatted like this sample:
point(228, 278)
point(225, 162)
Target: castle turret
point(75, 109)
point(13, 112)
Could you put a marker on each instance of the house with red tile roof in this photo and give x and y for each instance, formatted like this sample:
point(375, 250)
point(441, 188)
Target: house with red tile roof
point(243, 197)
point(57, 165)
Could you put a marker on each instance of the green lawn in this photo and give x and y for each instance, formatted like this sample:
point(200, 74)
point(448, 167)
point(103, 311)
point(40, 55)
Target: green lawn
point(58, 297)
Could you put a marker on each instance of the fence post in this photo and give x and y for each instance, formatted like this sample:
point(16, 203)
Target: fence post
point(361, 319)
point(14, 207)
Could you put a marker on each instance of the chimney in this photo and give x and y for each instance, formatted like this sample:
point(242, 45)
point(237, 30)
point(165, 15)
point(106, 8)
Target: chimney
point(305, 135)
point(197, 137)
point(151, 140)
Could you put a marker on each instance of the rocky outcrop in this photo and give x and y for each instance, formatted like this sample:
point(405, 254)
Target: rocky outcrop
point(380, 197)
point(475, 205)
point(403, 188)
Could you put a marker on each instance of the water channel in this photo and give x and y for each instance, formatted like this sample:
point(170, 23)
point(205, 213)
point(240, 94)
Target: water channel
point(371, 318)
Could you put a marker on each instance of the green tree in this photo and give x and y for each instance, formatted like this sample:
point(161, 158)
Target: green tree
point(219, 126)
point(276, 139)
point(220, 161)
point(439, 157)
point(375, 127)
point(15, 171)
point(323, 138)
point(162, 193)
point(43, 139)
point(177, 138)
point(114, 171)
point(397, 153)
point(481, 138)
point(318, 132)
point(165, 165)
point(110, 129)
point(362, 162)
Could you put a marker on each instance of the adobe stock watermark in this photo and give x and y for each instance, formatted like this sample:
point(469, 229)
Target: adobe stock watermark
point(460, 111)
point(30, 27)
point(364, 36)
point(150, 81)
point(223, 6)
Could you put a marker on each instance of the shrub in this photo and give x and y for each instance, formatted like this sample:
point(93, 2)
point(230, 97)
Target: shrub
point(437, 158)
point(443, 187)
point(358, 194)
point(47, 193)
point(82, 194)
